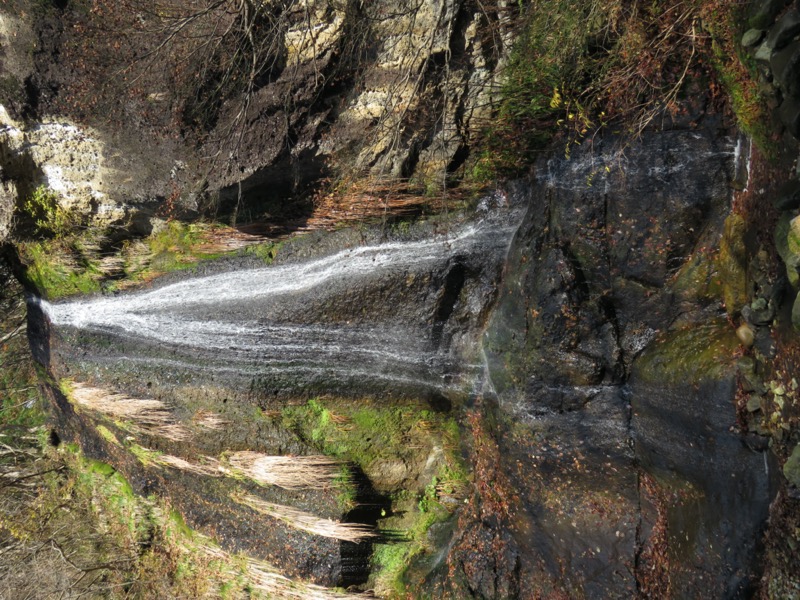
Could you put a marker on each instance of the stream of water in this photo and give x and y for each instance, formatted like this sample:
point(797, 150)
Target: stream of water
point(278, 321)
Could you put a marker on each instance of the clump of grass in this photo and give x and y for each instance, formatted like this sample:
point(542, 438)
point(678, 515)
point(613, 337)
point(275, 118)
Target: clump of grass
point(140, 414)
point(266, 251)
point(581, 65)
point(55, 247)
point(179, 246)
point(209, 466)
point(44, 209)
point(54, 269)
point(349, 532)
point(737, 72)
point(287, 472)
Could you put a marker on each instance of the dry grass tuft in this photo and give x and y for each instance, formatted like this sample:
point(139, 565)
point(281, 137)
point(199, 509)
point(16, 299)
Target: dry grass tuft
point(287, 472)
point(210, 466)
point(348, 532)
point(145, 415)
point(264, 578)
point(208, 420)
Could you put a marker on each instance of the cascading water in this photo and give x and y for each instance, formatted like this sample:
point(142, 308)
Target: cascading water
point(368, 317)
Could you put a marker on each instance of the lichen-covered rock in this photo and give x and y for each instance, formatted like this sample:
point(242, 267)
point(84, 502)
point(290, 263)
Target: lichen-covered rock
point(796, 312)
point(752, 37)
point(791, 469)
point(67, 159)
point(732, 263)
point(787, 243)
point(370, 90)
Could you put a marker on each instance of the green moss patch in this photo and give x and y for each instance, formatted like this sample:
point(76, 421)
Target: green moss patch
point(55, 270)
point(690, 355)
point(391, 444)
point(409, 453)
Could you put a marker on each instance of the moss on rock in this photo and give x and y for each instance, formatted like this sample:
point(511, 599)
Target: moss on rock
point(732, 263)
point(690, 355)
point(791, 469)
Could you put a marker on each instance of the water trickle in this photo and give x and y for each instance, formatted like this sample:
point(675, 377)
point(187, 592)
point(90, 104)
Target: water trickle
point(362, 317)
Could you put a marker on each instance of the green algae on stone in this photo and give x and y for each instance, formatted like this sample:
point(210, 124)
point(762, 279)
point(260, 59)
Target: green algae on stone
point(699, 278)
point(787, 243)
point(732, 263)
point(690, 355)
point(791, 469)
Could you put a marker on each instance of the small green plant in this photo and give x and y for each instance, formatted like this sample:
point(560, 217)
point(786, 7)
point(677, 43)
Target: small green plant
point(51, 270)
point(737, 73)
point(266, 251)
point(47, 214)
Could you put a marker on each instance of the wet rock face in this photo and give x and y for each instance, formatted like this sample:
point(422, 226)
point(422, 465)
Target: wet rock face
point(396, 315)
point(600, 401)
point(589, 266)
point(779, 56)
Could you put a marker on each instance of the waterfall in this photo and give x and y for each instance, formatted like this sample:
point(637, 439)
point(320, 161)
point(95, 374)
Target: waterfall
point(362, 316)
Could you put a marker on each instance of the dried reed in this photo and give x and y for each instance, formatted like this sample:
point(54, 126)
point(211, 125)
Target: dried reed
point(208, 420)
point(145, 415)
point(287, 472)
point(348, 532)
point(210, 466)
point(265, 578)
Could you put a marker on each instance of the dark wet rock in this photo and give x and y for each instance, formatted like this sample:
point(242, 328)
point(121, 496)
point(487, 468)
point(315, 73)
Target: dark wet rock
point(763, 12)
point(760, 312)
point(590, 262)
point(594, 275)
point(789, 115)
point(788, 196)
point(719, 490)
point(749, 377)
point(764, 342)
point(785, 30)
point(785, 65)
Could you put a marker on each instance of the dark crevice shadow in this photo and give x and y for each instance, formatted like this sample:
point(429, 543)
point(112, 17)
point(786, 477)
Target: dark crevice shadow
point(370, 506)
point(453, 284)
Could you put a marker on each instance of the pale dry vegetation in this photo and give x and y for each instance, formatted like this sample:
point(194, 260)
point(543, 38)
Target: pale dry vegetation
point(264, 578)
point(140, 414)
point(287, 472)
point(349, 532)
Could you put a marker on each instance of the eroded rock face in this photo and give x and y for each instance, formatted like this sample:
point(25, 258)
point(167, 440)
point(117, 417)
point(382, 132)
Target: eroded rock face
point(377, 90)
point(67, 159)
point(624, 454)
